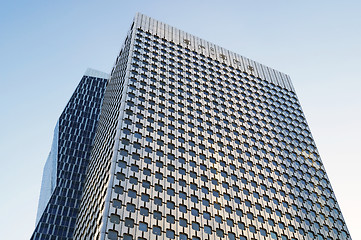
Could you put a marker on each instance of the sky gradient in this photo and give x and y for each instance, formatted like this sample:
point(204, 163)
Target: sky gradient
point(46, 46)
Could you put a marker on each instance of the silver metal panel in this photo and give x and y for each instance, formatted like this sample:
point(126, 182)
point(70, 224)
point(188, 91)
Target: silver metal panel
point(172, 145)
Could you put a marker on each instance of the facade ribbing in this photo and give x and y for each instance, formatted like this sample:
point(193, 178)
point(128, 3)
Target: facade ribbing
point(208, 144)
point(64, 171)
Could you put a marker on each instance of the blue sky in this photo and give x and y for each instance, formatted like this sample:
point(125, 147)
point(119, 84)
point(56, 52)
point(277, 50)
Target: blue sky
point(45, 47)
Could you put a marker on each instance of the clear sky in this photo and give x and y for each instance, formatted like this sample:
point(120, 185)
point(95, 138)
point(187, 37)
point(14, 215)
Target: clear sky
point(45, 47)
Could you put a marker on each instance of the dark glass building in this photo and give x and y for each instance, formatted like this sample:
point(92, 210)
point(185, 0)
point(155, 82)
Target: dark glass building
point(64, 171)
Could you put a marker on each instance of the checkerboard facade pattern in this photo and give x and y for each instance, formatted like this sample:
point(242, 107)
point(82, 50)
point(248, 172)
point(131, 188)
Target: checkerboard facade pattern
point(197, 142)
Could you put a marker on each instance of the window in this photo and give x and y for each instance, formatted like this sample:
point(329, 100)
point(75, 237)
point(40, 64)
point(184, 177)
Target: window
point(220, 233)
point(183, 222)
point(218, 219)
point(207, 229)
point(170, 234)
point(146, 184)
point(281, 225)
point(118, 189)
point(157, 230)
point(115, 218)
point(113, 235)
point(207, 215)
point(157, 215)
point(117, 203)
point(133, 180)
point(143, 226)
point(183, 236)
point(231, 236)
point(158, 201)
point(129, 222)
point(127, 237)
point(183, 208)
point(263, 232)
point(170, 205)
point(194, 199)
point(195, 212)
point(170, 218)
point(130, 207)
point(144, 211)
point(205, 202)
point(195, 226)
point(230, 222)
point(252, 229)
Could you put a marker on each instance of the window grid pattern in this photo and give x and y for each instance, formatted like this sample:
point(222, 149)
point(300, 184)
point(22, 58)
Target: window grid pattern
point(96, 185)
point(209, 151)
point(77, 126)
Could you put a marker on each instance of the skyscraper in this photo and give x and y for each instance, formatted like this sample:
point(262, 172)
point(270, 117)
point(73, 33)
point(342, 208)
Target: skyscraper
point(197, 142)
point(64, 170)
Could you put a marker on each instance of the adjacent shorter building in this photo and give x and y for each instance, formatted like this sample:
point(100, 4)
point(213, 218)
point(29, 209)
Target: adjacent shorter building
point(64, 170)
point(197, 142)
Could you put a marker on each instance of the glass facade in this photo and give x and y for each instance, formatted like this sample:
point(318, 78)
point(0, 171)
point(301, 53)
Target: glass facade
point(64, 171)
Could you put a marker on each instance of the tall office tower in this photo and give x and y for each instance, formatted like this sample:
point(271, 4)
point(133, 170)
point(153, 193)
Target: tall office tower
point(64, 171)
point(197, 142)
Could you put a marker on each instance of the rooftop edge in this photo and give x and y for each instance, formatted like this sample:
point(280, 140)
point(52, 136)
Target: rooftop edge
point(95, 73)
point(213, 51)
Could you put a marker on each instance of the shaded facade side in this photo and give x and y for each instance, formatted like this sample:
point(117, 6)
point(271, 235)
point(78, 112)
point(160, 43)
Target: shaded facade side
point(93, 204)
point(64, 171)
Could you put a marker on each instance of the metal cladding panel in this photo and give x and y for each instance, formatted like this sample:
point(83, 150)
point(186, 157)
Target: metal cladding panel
point(209, 145)
point(216, 52)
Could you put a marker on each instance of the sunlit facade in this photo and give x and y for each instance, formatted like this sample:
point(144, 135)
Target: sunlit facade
point(197, 142)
